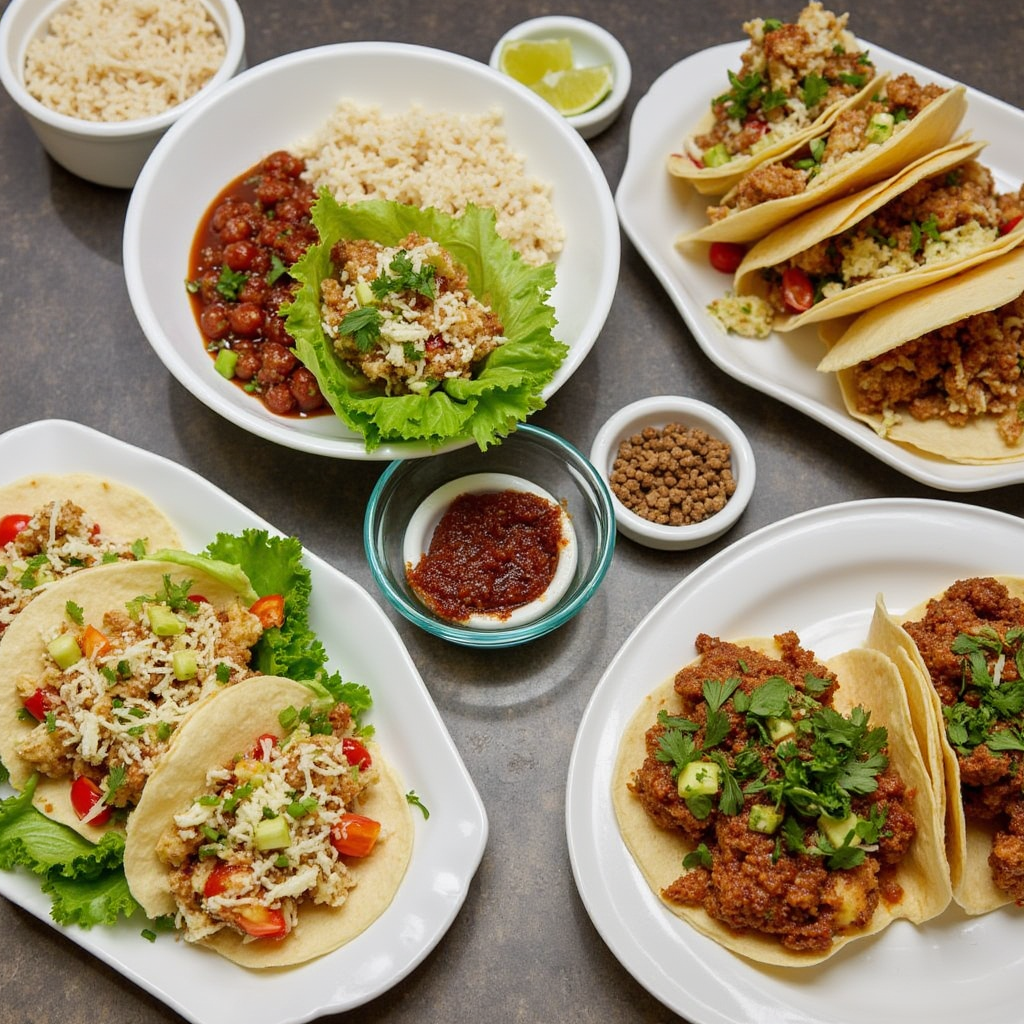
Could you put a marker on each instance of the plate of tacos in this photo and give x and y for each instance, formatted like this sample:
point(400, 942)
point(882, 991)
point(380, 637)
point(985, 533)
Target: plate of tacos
point(734, 689)
point(769, 269)
point(200, 754)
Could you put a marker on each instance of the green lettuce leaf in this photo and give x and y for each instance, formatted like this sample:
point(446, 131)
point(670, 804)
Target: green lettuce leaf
point(84, 880)
point(508, 387)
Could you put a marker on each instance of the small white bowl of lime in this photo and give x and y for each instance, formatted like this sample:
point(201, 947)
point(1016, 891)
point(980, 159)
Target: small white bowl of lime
point(579, 67)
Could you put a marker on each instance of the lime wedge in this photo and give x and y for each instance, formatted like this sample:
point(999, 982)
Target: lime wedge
point(575, 90)
point(529, 60)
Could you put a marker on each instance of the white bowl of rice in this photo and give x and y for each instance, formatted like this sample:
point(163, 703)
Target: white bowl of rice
point(100, 81)
point(381, 120)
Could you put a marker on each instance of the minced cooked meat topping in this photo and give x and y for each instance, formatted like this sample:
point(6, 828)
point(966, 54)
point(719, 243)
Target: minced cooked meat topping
point(956, 373)
point(790, 73)
point(972, 642)
point(404, 316)
point(796, 816)
point(58, 539)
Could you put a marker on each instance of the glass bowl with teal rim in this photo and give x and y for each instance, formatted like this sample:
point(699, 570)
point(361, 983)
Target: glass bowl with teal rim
point(412, 496)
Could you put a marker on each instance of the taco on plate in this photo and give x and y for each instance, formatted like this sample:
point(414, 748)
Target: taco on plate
point(939, 369)
point(939, 217)
point(870, 140)
point(778, 805)
point(962, 658)
point(270, 830)
point(98, 672)
point(794, 79)
point(54, 524)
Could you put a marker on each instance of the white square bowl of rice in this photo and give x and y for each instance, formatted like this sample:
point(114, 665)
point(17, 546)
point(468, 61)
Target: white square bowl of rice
point(359, 113)
point(100, 81)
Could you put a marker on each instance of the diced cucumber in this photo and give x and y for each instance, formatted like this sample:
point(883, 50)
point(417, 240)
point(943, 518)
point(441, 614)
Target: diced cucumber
point(364, 294)
point(715, 156)
point(184, 664)
point(837, 829)
point(163, 621)
point(699, 778)
point(764, 819)
point(272, 834)
point(880, 127)
point(64, 650)
point(780, 729)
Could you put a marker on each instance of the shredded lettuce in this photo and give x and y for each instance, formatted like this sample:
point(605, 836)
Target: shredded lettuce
point(508, 387)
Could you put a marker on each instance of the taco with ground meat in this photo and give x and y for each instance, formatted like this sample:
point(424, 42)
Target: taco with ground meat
point(271, 829)
point(869, 141)
point(780, 805)
point(939, 217)
point(962, 662)
point(794, 80)
point(54, 524)
point(98, 672)
point(939, 370)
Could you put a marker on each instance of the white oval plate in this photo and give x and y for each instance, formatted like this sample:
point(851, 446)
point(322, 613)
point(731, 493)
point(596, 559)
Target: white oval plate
point(362, 645)
point(654, 209)
point(816, 573)
point(294, 95)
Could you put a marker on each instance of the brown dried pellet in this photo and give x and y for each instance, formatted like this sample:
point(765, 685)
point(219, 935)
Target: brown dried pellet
point(676, 475)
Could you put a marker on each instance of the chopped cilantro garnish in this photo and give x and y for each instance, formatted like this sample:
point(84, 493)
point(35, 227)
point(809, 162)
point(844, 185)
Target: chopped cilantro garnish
point(698, 858)
point(74, 613)
point(230, 283)
point(363, 324)
point(814, 90)
point(415, 801)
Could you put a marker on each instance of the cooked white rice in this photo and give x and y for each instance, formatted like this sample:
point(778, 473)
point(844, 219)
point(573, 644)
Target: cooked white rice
point(444, 160)
point(118, 60)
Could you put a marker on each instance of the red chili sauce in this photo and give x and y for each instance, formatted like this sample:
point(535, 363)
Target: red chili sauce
point(255, 229)
point(490, 554)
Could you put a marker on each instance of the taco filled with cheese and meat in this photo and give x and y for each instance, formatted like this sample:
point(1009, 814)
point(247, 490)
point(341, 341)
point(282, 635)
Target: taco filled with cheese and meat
point(98, 672)
point(271, 830)
point(940, 369)
point(780, 805)
point(54, 524)
point(794, 80)
point(962, 654)
point(939, 217)
point(869, 141)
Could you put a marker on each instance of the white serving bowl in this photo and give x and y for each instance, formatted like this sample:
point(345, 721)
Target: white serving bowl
point(658, 411)
point(591, 44)
point(110, 152)
point(295, 94)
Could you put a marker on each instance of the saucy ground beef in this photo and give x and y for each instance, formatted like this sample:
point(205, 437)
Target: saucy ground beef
point(956, 373)
point(253, 232)
point(780, 881)
point(983, 708)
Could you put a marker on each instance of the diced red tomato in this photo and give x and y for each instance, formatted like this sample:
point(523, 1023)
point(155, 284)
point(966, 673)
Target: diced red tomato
point(225, 878)
point(354, 835)
point(85, 795)
point(261, 748)
point(1004, 229)
point(94, 642)
point(40, 702)
point(797, 290)
point(198, 599)
point(355, 753)
point(261, 922)
point(726, 256)
point(269, 610)
point(11, 525)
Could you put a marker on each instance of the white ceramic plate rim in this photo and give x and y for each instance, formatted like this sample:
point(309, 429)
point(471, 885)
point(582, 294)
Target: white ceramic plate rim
point(654, 209)
point(817, 573)
point(173, 191)
point(364, 646)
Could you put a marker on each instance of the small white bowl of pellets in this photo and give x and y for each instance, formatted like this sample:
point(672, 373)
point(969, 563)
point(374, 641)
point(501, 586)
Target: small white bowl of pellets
point(681, 472)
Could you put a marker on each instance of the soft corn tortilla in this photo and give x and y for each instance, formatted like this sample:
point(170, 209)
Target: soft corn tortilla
point(96, 590)
point(931, 129)
point(968, 843)
point(866, 678)
point(842, 214)
point(210, 737)
point(885, 327)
